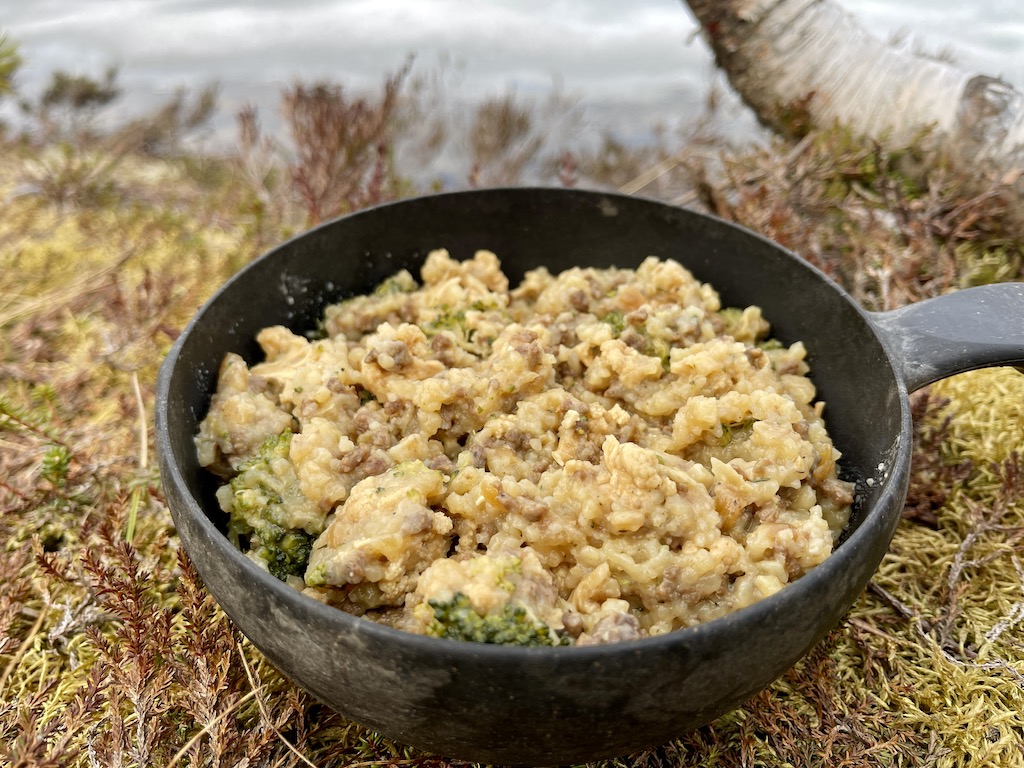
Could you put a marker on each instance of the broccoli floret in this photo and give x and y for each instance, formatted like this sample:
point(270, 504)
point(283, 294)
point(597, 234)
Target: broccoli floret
point(285, 551)
point(269, 515)
point(652, 347)
point(400, 282)
point(736, 431)
point(617, 321)
point(744, 325)
point(456, 619)
point(448, 320)
point(731, 317)
point(257, 492)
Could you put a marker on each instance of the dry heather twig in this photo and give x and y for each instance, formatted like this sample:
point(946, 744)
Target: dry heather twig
point(342, 146)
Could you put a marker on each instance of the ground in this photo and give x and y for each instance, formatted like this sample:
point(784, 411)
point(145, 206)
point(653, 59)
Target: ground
point(111, 651)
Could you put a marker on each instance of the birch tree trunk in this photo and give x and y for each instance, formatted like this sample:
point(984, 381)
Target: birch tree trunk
point(809, 61)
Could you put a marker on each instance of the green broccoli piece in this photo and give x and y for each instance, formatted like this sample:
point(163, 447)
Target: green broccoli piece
point(400, 282)
point(258, 490)
point(447, 320)
point(617, 321)
point(284, 550)
point(659, 349)
point(652, 347)
point(736, 431)
point(731, 317)
point(269, 516)
point(456, 619)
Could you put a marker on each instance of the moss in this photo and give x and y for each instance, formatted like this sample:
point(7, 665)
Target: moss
point(105, 627)
point(981, 265)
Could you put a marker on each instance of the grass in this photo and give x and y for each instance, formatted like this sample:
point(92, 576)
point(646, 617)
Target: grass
point(113, 654)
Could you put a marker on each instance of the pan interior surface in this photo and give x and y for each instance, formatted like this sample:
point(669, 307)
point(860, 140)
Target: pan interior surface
point(573, 704)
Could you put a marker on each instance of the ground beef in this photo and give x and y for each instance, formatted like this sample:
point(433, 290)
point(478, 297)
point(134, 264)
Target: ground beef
point(640, 458)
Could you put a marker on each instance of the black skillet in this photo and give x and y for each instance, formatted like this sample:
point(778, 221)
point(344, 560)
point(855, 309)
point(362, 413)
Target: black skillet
point(565, 705)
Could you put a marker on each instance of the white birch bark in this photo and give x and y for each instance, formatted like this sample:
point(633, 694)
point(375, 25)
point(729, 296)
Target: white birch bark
point(793, 60)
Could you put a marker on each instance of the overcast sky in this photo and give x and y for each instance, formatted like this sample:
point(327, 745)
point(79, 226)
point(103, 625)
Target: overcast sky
point(608, 48)
point(641, 55)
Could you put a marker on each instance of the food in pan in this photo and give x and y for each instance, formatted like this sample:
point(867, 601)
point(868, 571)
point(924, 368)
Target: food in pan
point(589, 457)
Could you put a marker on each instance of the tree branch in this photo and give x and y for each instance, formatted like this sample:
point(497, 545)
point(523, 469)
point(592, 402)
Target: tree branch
point(806, 63)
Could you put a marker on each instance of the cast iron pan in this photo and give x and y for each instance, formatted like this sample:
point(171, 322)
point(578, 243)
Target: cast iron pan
point(567, 705)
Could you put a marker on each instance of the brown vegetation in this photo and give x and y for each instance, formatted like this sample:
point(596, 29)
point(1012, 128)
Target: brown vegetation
point(111, 651)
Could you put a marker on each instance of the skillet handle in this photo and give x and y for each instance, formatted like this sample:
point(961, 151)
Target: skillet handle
point(972, 328)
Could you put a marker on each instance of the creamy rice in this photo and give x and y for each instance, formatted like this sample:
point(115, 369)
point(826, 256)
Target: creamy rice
point(607, 449)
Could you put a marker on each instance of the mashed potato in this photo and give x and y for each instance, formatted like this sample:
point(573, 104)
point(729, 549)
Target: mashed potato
point(609, 450)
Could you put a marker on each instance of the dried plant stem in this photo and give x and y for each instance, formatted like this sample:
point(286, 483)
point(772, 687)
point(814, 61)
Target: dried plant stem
point(23, 423)
point(925, 628)
point(206, 729)
point(143, 426)
point(866, 627)
point(133, 509)
point(651, 175)
point(13, 663)
point(266, 715)
point(62, 295)
point(11, 489)
point(1016, 614)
